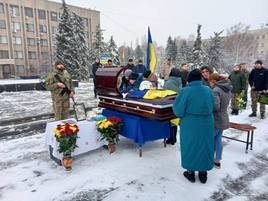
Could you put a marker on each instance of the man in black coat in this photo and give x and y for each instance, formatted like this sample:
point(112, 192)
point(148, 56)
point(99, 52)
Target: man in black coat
point(140, 68)
point(130, 65)
point(258, 81)
point(95, 67)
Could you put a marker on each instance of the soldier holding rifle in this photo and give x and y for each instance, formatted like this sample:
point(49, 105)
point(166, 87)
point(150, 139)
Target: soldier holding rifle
point(59, 82)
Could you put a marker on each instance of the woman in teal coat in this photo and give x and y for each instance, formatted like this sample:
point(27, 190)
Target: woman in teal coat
point(194, 107)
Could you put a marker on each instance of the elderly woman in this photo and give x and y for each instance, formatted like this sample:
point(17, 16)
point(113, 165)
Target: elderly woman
point(194, 107)
point(221, 87)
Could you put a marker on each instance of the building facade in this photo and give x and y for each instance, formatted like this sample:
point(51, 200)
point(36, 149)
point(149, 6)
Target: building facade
point(27, 35)
point(261, 39)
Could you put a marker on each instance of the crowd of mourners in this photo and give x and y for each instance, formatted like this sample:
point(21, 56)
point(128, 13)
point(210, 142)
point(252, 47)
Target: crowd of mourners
point(201, 105)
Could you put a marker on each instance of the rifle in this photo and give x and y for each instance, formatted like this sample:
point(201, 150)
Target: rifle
point(65, 89)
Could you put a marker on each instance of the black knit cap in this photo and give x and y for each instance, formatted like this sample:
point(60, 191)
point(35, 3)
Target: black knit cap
point(175, 72)
point(258, 62)
point(133, 76)
point(147, 73)
point(194, 75)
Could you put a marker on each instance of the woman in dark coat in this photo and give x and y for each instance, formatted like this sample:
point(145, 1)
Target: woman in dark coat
point(221, 87)
point(194, 107)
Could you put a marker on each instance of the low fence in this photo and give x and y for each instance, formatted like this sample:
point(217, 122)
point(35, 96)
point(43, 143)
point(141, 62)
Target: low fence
point(14, 87)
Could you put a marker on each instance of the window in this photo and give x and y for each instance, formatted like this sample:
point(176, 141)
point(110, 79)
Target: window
point(2, 24)
point(30, 41)
point(43, 42)
point(263, 36)
point(42, 14)
point(20, 69)
point(262, 44)
point(3, 39)
point(3, 54)
point(2, 8)
point(18, 55)
point(17, 40)
point(257, 37)
point(42, 28)
point(15, 26)
point(54, 30)
point(85, 20)
point(54, 16)
point(14, 11)
point(45, 55)
point(30, 27)
point(28, 12)
point(32, 55)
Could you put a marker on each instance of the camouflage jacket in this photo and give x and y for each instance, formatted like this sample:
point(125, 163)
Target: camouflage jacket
point(59, 76)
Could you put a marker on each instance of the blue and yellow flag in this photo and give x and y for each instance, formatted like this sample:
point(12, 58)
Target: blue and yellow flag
point(151, 58)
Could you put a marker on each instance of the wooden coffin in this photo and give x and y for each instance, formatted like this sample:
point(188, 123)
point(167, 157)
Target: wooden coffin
point(108, 81)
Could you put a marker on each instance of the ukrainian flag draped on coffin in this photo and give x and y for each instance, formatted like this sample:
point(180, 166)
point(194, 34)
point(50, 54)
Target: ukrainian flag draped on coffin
point(151, 58)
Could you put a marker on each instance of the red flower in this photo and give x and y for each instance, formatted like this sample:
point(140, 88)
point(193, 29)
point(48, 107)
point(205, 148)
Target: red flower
point(58, 127)
point(62, 133)
point(114, 119)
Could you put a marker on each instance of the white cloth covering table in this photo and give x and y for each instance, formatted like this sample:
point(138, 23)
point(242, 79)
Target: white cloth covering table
point(89, 138)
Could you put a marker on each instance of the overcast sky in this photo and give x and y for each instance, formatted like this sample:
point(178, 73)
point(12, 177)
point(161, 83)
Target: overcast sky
point(128, 20)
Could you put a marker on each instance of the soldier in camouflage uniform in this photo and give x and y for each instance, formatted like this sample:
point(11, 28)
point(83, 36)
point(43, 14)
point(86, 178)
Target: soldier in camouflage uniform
point(258, 81)
point(59, 82)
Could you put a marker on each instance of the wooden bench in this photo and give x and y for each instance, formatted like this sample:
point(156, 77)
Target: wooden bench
point(243, 127)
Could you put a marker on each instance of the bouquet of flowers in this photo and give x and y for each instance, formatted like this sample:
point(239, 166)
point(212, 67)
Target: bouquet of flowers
point(110, 129)
point(240, 99)
point(66, 135)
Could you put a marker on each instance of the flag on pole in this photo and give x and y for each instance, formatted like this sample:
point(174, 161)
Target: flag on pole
point(151, 58)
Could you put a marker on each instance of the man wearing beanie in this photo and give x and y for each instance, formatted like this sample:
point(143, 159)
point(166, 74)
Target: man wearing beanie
point(258, 81)
point(134, 81)
point(130, 65)
point(206, 71)
point(59, 82)
point(194, 106)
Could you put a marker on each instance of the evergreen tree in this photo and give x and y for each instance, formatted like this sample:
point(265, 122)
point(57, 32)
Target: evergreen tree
point(81, 57)
point(184, 53)
point(199, 56)
point(99, 45)
point(215, 51)
point(113, 51)
point(129, 53)
point(65, 42)
point(171, 49)
point(70, 44)
point(138, 53)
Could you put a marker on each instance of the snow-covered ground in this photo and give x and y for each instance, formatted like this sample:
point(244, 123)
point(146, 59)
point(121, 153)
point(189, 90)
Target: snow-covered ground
point(30, 103)
point(27, 173)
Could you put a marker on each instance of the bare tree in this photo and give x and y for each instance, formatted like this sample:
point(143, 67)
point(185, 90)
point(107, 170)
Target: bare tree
point(239, 45)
